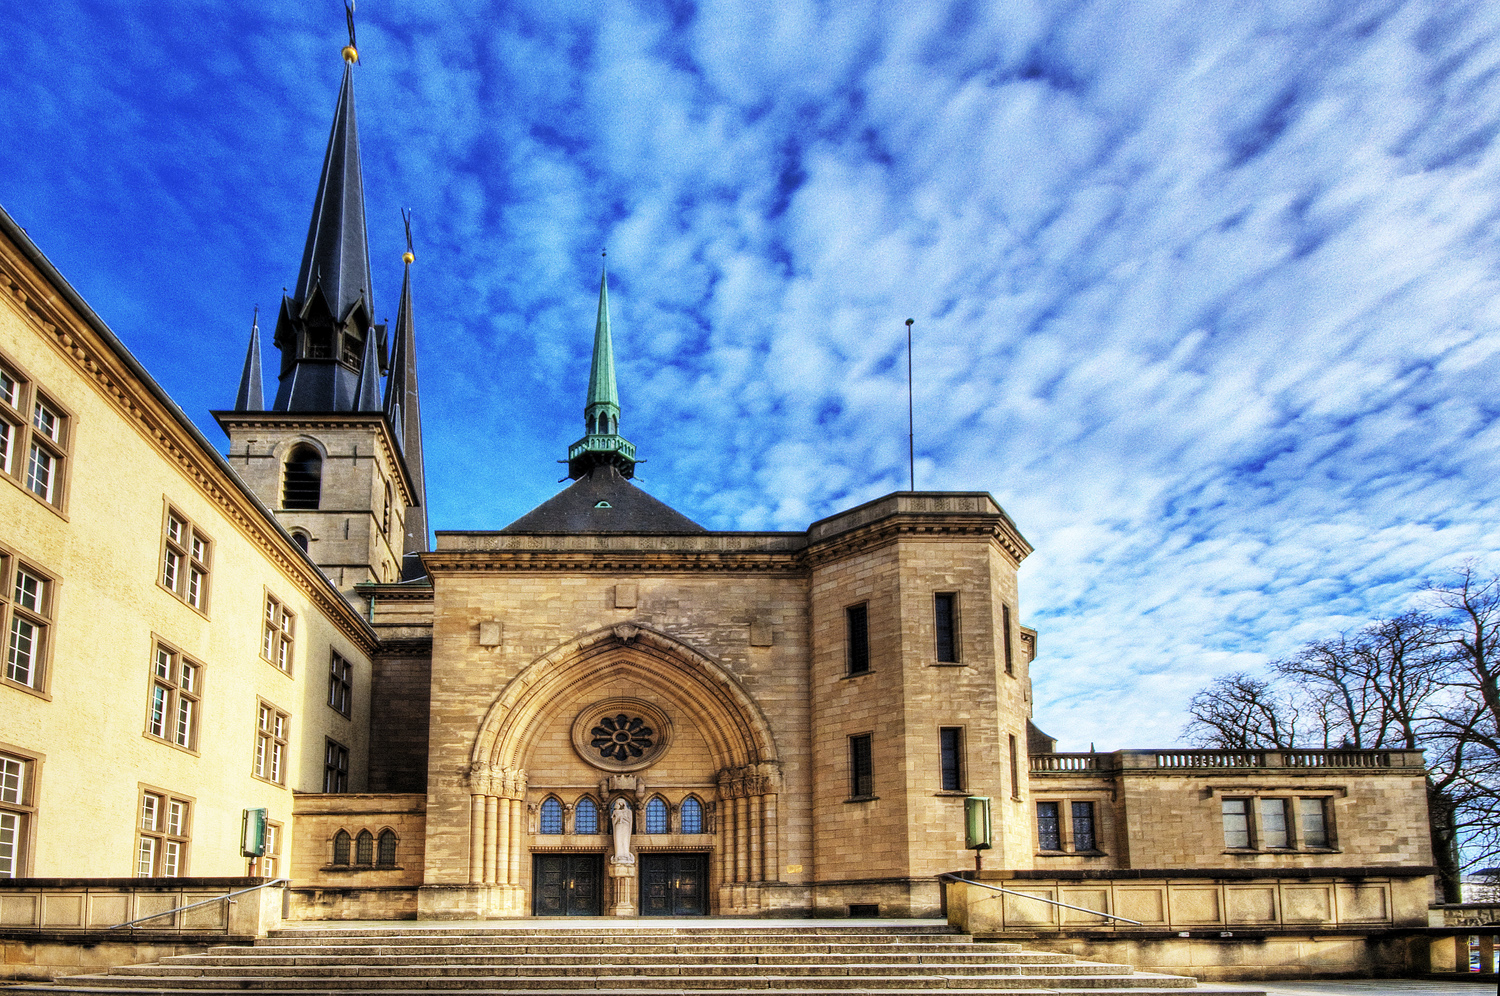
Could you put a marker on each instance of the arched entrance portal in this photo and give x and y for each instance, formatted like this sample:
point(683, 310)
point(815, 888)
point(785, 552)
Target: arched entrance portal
point(624, 773)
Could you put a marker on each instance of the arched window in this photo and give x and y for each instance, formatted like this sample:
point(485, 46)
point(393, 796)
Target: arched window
point(692, 815)
point(364, 848)
point(301, 539)
point(386, 856)
point(656, 815)
point(552, 816)
point(585, 816)
point(341, 847)
point(603, 427)
point(302, 480)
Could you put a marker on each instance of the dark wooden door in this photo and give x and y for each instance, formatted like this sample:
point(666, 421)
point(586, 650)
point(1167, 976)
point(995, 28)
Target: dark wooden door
point(567, 884)
point(674, 884)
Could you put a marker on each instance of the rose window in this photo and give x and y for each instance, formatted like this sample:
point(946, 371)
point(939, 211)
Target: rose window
point(622, 734)
point(621, 737)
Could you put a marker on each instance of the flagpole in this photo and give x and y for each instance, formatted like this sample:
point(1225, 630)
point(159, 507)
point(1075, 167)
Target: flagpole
point(911, 436)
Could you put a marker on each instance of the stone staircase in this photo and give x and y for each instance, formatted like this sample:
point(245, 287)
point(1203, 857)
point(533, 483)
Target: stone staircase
point(641, 958)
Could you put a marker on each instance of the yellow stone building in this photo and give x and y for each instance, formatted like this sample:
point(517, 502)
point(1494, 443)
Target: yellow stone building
point(601, 708)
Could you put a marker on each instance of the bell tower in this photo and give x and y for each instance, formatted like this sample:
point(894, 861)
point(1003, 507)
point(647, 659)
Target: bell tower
point(339, 464)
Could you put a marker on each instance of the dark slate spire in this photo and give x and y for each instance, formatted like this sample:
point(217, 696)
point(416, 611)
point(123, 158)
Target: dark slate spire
point(369, 379)
point(324, 325)
point(251, 398)
point(602, 443)
point(404, 410)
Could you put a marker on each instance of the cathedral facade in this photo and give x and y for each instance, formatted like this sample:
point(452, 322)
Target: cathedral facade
point(601, 708)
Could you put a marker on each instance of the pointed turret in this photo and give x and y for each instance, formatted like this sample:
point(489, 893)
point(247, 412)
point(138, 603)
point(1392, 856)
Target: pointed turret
point(369, 379)
point(404, 410)
point(251, 397)
point(602, 443)
point(324, 324)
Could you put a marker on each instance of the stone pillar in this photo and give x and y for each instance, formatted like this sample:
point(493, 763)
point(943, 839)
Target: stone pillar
point(502, 842)
point(753, 817)
point(768, 836)
point(622, 880)
point(737, 833)
point(491, 824)
point(476, 839)
point(517, 827)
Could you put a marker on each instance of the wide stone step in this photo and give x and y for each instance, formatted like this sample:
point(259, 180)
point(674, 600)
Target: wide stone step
point(606, 950)
point(1006, 962)
point(365, 970)
point(636, 985)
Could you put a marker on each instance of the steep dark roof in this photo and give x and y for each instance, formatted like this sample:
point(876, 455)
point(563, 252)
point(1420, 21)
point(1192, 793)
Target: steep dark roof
point(626, 509)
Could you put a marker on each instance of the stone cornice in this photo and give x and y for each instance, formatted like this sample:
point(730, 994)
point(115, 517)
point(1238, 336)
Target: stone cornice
point(903, 526)
point(294, 421)
point(61, 317)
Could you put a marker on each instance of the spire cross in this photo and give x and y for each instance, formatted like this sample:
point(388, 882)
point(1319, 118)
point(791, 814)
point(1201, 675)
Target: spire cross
point(409, 255)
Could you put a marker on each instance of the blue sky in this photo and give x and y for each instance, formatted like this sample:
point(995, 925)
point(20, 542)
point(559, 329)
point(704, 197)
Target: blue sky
point(1206, 294)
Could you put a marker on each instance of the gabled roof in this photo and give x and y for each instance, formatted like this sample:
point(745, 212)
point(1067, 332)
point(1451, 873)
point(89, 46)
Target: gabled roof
point(603, 501)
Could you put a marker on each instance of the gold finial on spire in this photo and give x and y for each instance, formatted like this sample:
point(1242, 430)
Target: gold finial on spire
point(350, 53)
point(408, 256)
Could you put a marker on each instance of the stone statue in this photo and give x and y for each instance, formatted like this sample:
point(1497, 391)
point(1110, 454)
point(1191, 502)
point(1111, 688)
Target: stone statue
point(620, 818)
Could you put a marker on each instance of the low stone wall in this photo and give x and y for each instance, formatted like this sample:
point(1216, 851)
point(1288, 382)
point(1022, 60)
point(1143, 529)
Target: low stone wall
point(389, 903)
point(1213, 925)
point(51, 926)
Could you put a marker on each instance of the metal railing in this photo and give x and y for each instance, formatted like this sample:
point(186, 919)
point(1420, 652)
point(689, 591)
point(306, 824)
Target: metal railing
point(229, 898)
point(1041, 899)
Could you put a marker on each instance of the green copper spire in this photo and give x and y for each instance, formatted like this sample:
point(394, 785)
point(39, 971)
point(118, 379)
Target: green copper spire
point(602, 443)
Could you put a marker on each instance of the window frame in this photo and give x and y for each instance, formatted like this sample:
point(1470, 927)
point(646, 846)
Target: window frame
point(862, 767)
point(161, 834)
point(945, 616)
point(593, 807)
point(699, 820)
point(544, 822)
point(40, 616)
point(268, 865)
point(1005, 638)
point(268, 738)
point(951, 742)
point(172, 692)
point(341, 684)
point(186, 560)
point(1055, 836)
point(20, 807)
point(1293, 836)
point(335, 767)
point(857, 639)
point(657, 808)
point(1065, 809)
point(23, 437)
point(278, 641)
point(311, 492)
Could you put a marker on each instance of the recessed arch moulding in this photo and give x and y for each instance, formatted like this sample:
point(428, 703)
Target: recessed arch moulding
point(716, 739)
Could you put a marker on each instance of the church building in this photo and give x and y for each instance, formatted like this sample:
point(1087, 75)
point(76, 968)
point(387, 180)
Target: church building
point(602, 708)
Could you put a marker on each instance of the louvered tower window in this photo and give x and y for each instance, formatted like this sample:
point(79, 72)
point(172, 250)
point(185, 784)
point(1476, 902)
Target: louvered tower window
point(302, 485)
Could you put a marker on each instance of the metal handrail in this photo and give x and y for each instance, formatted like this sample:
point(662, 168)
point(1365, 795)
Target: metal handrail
point(1040, 899)
point(202, 902)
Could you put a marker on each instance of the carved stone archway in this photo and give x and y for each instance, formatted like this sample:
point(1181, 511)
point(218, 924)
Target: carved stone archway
point(737, 736)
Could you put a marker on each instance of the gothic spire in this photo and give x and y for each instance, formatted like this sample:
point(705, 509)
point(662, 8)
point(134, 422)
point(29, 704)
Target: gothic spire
point(251, 397)
point(369, 379)
point(602, 443)
point(404, 410)
point(324, 324)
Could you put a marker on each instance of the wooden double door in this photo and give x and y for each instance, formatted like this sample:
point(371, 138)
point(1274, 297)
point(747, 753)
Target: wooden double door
point(567, 884)
point(673, 884)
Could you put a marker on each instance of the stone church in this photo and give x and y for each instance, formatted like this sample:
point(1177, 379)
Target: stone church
point(601, 708)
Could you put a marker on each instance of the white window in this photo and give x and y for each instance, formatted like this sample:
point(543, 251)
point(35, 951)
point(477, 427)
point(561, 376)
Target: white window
point(185, 560)
point(277, 639)
point(1313, 815)
point(165, 823)
point(26, 599)
point(271, 731)
point(1236, 813)
point(34, 433)
point(16, 792)
point(1273, 827)
point(172, 713)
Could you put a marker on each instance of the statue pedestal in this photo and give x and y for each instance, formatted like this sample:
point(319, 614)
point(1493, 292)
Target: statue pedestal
point(622, 886)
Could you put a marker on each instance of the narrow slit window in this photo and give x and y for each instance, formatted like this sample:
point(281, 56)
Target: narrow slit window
point(945, 606)
point(857, 619)
point(861, 767)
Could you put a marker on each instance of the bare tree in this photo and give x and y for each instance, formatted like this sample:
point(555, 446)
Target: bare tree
point(1241, 712)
